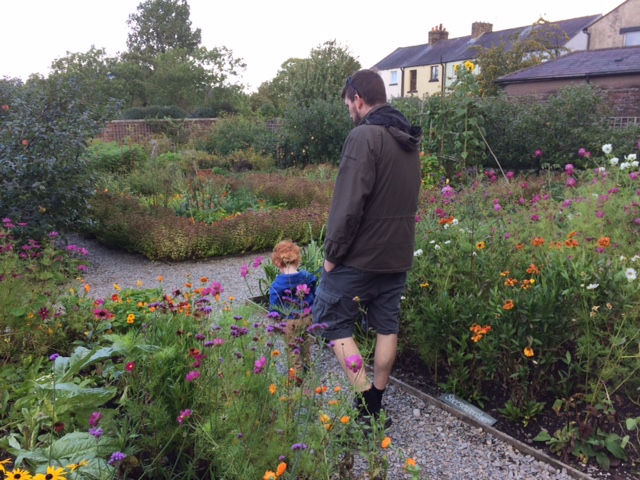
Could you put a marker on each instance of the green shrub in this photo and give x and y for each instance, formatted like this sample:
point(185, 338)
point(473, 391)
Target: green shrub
point(232, 133)
point(111, 157)
point(154, 111)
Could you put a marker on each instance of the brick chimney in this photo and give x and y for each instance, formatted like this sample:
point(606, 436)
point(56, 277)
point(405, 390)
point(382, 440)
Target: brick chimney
point(436, 34)
point(478, 28)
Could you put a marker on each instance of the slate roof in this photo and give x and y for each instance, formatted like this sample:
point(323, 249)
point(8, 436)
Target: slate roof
point(586, 63)
point(462, 48)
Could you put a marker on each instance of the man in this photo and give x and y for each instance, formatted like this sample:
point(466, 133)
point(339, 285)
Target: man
point(370, 234)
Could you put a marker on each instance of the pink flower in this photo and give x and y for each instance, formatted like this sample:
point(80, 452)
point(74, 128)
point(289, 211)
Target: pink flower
point(535, 218)
point(521, 201)
point(497, 207)
point(353, 363)
point(599, 214)
point(257, 262)
point(567, 203)
point(244, 270)
point(447, 191)
point(184, 414)
point(302, 290)
point(568, 168)
point(571, 182)
point(538, 153)
point(510, 175)
point(193, 375)
point(582, 152)
point(259, 365)
point(634, 175)
point(94, 419)
point(637, 221)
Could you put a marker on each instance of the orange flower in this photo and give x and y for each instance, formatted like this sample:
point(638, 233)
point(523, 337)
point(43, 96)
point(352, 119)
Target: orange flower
point(275, 353)
point(571, 243)
point(333, 402)
point(556, 245)
point(508, 305)
point(324, 418)
point(537, 241)
point(480, 245)
point(409, 464)
point(337, 389)
point(204, 280)
point(604, 242)
point(160, 278)
point(345, 419)
point(386, 442)
point(321, 390)
point(269, 475)
point(528, 352)
point(282, 467)
point(87, 288)
point(510, 282)
point(520, 246)
point(476, 338)
point(188, 285)
point(533, 270)
point(505, 273)
point(572, 234)
point(273, 389)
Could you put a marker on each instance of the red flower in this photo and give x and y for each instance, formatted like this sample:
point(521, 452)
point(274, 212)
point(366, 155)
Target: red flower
point(130, 366)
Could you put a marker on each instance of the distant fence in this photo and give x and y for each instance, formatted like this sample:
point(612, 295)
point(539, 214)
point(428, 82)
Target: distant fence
point(136, 130)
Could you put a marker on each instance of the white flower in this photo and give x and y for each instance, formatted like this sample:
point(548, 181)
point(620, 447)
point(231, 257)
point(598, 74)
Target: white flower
point(432, 241)
point(447, 242)
point(446, 225)
point(635, 163)
point(403, 297)
point(622, 258)
point(455, 221)
point(631, 274)
point(418, 252)
point(614, 161)
point(607, 148)
point(631, 157)
point(593, 286)
point(437, 247)
point(624, 165)
point(601, 169)
point(635, 258)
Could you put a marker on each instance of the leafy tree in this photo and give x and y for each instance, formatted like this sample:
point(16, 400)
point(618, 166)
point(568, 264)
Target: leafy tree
point(321, 76)
point(160, 26)
point(542, 42)
point(44, 129)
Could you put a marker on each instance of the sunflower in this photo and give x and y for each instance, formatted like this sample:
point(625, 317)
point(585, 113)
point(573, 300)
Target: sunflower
point(53, 473)
point(18, 474)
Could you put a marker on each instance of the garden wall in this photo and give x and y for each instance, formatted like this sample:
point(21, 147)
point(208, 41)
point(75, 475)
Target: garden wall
point(136, 130)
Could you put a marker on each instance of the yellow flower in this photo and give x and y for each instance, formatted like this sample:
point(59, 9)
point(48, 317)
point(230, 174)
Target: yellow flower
point(53, 473)
point(480, 245)
point(324, 418)
point(231, 298)
point(333, 402)
point(116, 287)
point(273, 389)
point(282, 467)
point(4, 462)
point(18, 474)
point(344, 420)
point(528, 352)
point(139, 283)
point(131, 318)
point(469, 65)
point(386, 442)
point(72, 291)
point(424, 285)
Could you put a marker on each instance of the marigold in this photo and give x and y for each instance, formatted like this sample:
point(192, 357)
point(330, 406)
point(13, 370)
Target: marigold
point(160, 278)
point(282, 467)
point(520, 246)
point(275, 353)
point(571, 235)
point(204, 279)
point(321, 390)
point(537, 241)
point(324, 418)
point(386, 442)
point(87, 288)
point(409, 464)
point(480, 245)
point(131, 318)
point(508, 305)
point(510, 282)
point(505, 273)
point(337, 389)
point(571, 243)
point(533, 270)
point(604, 242)
point(273, 389)
point(345, 419)
point(528, 352)
point(269, 475)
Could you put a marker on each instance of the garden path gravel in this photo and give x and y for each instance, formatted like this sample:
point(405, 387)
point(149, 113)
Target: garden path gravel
point(443, 446)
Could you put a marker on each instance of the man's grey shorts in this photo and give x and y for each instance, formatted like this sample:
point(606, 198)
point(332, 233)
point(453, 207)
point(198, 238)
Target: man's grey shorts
point(344, 292)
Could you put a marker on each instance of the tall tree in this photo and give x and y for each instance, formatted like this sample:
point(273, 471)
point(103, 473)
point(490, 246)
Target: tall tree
point(162, 25)
point(541, 42)
point(321, 76)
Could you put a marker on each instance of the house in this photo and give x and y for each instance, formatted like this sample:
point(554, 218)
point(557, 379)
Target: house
point(618, 28)
point(430, 68)
point(615, 70)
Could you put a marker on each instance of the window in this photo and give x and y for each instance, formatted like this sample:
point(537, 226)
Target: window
point(631, 39)
point(434, 73)
point(413, 80)
point(394, 77)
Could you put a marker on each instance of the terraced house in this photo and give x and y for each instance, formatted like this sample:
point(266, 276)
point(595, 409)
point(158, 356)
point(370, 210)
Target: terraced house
point(429, 69)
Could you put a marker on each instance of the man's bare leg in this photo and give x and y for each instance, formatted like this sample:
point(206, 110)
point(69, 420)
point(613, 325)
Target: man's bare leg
point(384, 357)
point(346, 347)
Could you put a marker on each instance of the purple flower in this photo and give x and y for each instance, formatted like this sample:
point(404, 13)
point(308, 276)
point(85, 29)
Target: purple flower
point(82, 268)
point(273, 315)
point(582, 152)
point(302, 290)
point(568, 168)
point(599, 214)
point(613, 190)
point(497, 207)
point(116, 457)
point(535, 218)
point(637, 221)
point(244, 270)
point(634, 175)
point(299, 446)
point(571, 182)
point(507, 236)
point(317, 326)
point(54, 234)
point(184, 414)
point(260, 364)
point(447, 191)
point(53, 357)
point(600, 250)
point(257, 262)
point(95, 432)
point(199, 336)
point(353, 363)
point(193, 375)
point(567, 203)
point(94, 419)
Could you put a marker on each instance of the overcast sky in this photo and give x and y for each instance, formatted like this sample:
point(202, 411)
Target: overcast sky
point(263, 33)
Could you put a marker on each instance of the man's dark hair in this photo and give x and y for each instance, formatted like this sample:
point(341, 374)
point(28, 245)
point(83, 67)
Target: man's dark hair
point(368, 85)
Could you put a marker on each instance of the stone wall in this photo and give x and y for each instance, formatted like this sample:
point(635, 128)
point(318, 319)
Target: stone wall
point(137, 130)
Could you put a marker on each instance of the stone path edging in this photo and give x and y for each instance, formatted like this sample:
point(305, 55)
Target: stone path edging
point(522, 447)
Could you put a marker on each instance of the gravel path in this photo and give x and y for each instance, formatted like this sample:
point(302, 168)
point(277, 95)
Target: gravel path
point(443, 446)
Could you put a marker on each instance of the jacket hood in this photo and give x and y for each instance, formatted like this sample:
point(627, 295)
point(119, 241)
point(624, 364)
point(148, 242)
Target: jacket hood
point(407, 135)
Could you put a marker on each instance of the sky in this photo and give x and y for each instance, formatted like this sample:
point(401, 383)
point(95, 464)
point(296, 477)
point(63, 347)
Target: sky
point(264, 34)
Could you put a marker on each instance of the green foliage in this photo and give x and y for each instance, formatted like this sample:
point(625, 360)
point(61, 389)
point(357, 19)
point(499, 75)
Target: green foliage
point(111, 157)
point(237, 132)
point(542, 42)
point(155, 111)
point(313, 133)
point(45, 125)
